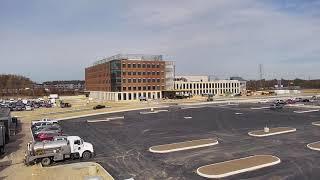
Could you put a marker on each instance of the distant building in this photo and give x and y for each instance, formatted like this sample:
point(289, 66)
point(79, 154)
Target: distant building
point(243, 84)
point(199, 85)
point(64, 85)
point(129, 77)
point(192, 78)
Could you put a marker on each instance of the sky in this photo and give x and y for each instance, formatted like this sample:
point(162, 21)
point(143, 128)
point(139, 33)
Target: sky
point(56, 39)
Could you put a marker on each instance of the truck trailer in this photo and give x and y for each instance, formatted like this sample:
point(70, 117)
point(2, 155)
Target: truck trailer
point(46, 152)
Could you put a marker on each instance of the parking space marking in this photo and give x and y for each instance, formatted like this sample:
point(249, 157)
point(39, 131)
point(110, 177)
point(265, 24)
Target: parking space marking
point(307, 111)
point(188, 117)
point(257, 108)
point(154, 112)
point(193, 107)
point(105, 120)
point(238, 113)
point(222, 105)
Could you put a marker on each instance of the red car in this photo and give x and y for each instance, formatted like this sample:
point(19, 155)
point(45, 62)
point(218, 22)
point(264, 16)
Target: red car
point(47, 136)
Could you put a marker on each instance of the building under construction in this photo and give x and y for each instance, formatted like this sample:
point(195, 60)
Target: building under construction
point(129, 77)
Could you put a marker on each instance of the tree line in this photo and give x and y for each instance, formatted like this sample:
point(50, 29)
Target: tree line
point(291, 84)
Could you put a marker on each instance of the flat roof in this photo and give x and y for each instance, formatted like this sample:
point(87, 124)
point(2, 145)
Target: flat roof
point(137, 57)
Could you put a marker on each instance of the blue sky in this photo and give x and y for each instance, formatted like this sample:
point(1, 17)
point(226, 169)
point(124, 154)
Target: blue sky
point(57, 39)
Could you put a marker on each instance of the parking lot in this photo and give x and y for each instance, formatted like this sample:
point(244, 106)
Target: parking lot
point(121, 144)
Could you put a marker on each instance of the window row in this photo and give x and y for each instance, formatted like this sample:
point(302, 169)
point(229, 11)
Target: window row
point(206, 85)
point(143, 73)
point(140, 88)
point(140, 65)
point(143, 80)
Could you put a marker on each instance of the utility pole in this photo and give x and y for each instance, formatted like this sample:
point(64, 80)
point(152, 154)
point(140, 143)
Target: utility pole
point(260, 74)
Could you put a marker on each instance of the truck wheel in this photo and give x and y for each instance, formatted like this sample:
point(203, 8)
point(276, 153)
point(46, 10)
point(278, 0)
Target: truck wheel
point(86, 155)
point(46, 161)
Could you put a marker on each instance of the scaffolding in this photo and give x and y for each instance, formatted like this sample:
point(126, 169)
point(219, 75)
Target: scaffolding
point(137, 57)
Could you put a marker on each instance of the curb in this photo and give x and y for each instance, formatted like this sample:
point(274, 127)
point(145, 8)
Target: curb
point(181, 149)
point(312, 148)
point(110, 112)
point(271, 134)
point(238, 171)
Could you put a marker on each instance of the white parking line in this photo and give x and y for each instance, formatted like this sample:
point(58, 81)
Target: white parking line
point(222, 105)
point(257, 108)
point(238, 113)
point(188, 117)
point(105, 120)
point(193, 107)
point(94, 121)
point(154, 112)
point(308, 111)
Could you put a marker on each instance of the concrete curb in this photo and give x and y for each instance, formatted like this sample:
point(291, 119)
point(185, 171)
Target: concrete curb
point(110, 112)
point(271, 134)
point(308, 111)
point(317, 123)
point(181, 149)
point(312, 148)
point(238, 171)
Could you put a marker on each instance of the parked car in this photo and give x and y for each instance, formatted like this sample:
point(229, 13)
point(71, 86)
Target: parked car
point(279, 101)
point(290, 101)
point(263, 101)
point(29, 108)
point(46, 136)
point(49, 129)
point(276, 106)
point(305, 100)
point(65, 105)
point(142, 98)
point(99, 107)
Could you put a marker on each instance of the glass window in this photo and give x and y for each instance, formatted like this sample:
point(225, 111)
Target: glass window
point(129, 65)
point(139, 65)
point(153, 80)
point(129, 73)
point(144, 80)
point(124, 80)
point(139, 73)
point(129, 80)
point(124, 73)
point(124, 66)
point(134, 88)
point(158, 65)
point(149, 80)
point(153, 73)
point(144, 88)
point(134, 66)
point(158, 80)
point(148, 65)
point(143, 65)
point(134, 73)
point(143, 73)
point(139, 88)
point(139, 80)
point(149, 73)
point(124, 88)
point(158, 73)
point(129, 88)
point(134, 80)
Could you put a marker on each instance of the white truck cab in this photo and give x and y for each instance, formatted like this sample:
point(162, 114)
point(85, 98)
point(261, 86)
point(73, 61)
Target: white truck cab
point(78, 146)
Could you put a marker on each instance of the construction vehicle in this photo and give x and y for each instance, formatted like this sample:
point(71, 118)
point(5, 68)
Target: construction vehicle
point(46, 152)
point(210, 97)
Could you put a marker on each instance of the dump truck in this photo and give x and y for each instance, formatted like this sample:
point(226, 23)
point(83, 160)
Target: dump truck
point(71, 147)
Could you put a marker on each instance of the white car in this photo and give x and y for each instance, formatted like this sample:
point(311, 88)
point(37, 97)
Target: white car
point(29, 108)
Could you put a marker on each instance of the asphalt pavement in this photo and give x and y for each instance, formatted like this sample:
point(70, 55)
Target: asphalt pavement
point(122, 145)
